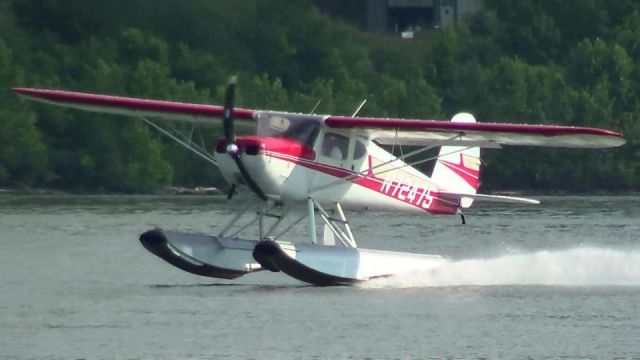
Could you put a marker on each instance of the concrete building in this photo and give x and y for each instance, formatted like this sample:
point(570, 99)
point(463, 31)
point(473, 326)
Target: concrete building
point(401, 15)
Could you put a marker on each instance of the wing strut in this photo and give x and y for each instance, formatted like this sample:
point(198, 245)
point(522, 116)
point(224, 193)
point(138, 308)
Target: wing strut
point(202, 154)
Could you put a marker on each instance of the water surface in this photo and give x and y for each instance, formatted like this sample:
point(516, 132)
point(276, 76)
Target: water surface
point(558, 280)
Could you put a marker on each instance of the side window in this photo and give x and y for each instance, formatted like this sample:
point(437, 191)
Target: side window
point(335, 146)
point(359, 151)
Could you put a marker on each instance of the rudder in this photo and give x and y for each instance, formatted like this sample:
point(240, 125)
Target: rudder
point(458, 168)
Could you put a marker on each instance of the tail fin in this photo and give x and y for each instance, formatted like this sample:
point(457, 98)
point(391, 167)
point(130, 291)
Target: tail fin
point(458, 168)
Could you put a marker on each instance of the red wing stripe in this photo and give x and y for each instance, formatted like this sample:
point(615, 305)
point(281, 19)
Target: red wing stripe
point(130, 103)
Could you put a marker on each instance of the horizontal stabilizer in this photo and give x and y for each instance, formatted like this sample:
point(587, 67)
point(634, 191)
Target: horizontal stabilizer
point(492, 198)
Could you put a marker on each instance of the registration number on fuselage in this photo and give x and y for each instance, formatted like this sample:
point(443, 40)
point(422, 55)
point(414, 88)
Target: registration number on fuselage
point(407, 192)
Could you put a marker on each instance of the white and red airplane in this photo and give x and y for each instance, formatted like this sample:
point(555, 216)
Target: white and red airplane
point(314, 167)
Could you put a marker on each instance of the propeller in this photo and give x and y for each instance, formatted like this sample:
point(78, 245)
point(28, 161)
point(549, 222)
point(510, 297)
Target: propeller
point(230, 139)
point(227, 119)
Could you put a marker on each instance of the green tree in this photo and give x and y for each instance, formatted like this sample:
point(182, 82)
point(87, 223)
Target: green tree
point(23, 156)
point(536, 62)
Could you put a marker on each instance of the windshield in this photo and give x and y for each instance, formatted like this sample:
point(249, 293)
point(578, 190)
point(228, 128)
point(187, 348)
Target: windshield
point(303, 128)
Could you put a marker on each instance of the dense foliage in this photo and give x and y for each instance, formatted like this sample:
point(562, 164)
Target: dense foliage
point(552, 61)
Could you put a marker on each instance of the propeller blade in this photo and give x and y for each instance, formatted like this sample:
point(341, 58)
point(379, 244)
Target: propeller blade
point(230, 139)
point(227, 117)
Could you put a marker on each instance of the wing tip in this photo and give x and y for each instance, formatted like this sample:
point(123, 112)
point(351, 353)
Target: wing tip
point(21, 90)
point(30, 92)
point(610, 139)
point(621, 140)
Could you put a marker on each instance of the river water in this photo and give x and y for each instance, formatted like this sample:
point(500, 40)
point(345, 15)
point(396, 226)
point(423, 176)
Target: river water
point(557, 280)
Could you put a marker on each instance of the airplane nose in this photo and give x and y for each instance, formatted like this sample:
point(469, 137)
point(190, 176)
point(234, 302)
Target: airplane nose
point(242, 145)
point(252, 149)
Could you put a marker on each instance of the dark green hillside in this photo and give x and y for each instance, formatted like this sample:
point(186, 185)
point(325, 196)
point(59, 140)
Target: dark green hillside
point(575, 63)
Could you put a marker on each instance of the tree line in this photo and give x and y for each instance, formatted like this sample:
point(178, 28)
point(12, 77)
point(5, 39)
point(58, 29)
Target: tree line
point(529, 62)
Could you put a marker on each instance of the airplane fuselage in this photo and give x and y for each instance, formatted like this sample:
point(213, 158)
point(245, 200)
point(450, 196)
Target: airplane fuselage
point(330, 167)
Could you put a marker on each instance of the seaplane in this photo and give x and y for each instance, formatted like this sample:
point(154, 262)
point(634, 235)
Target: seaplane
point(309, 170)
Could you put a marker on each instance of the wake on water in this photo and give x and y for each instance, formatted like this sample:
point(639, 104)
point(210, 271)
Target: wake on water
point(570, 267)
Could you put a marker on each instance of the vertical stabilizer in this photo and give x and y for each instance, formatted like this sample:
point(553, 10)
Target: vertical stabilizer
point(458, 168)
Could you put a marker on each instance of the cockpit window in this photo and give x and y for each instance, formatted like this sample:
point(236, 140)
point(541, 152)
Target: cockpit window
point(359, 151)
point(279, 123)
point(303, 128)
point(335, 146)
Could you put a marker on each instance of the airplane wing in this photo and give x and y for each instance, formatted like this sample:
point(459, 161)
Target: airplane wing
point(488, 135)
point(384, 131)
point(120, 105)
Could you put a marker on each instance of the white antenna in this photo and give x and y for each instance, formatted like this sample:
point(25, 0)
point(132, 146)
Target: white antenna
point(315, 107)
point(359, 107)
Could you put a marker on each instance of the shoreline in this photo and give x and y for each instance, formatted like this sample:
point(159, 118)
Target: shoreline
point(169, 191)
point(214, 191)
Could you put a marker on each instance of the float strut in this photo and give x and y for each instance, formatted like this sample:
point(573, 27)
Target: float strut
point(311, 208)
point(231, 191)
